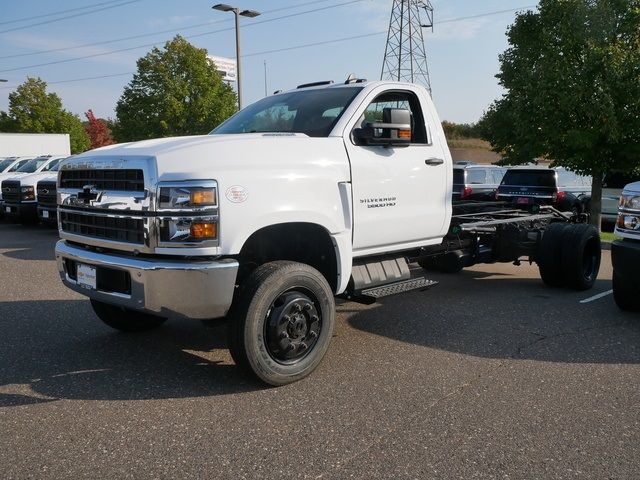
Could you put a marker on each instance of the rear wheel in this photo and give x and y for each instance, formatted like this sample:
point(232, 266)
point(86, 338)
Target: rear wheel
point(124, 319)
point(282, 322)
point(550, 253)
point(625, 294)
point(581, 256)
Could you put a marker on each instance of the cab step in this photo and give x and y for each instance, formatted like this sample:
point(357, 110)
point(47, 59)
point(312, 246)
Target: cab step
point(371, 295)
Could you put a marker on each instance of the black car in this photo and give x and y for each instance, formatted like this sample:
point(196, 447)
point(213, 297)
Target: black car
point(476, 182)
point(563, 189)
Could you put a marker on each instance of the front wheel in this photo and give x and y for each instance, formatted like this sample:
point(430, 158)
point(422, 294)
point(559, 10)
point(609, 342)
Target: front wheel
point(282, 322)
point(124, 319)
point(625, 294)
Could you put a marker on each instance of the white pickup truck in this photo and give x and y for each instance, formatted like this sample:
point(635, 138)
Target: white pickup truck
point(328, 190)
point(625, 253)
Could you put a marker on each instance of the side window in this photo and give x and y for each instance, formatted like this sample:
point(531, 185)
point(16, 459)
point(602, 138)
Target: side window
point(476, 176)
point(498, 175)
point(398, 99)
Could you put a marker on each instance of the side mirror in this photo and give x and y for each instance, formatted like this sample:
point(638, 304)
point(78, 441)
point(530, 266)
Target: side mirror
point(394, 131)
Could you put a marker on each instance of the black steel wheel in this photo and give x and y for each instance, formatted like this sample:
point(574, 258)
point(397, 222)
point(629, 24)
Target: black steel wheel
point(292, 327)
point(281, 323)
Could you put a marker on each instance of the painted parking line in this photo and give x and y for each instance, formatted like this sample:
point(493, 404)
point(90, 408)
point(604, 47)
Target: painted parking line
point(597, 297)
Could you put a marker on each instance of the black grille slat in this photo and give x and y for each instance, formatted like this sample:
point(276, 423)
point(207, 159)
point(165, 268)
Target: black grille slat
point(11, 191)
point(117, 180)
point(49, 198)
point(127, 230)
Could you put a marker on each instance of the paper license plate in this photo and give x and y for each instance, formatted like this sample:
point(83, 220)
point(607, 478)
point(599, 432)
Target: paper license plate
point(523, 201)
point(7, 209)
point(45, 214)
point(86, 276)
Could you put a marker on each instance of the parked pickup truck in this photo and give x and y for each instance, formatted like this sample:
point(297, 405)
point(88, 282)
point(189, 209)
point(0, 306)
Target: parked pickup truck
point(19, 192)
point(329, 190)
point(625, 253)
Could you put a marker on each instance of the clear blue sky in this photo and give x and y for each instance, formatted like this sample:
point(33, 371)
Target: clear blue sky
point(463, 55)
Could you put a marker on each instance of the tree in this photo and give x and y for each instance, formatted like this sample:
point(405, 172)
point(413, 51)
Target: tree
point(175, 91)
point(33, 110)
point(98, 131)
point(572, 81)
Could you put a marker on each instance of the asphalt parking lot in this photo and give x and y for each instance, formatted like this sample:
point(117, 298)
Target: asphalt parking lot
point(488, 375)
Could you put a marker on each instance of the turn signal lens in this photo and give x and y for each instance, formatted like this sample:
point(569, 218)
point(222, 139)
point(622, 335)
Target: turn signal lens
point(203, 197)
point(405, 134)
point(203, 231)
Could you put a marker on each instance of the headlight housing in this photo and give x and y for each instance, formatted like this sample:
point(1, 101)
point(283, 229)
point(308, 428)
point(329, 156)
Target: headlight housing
point(28, 193)
point(630, 202)
point(187, 197)
point(188, 214)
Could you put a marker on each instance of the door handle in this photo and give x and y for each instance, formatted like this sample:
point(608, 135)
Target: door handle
point(433, 161)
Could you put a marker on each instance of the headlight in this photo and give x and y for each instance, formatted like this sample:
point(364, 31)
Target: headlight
point(28, 193)
point(188, 230)
point(629, 222)
point(630, 202)
point(188, 214)
point(187, 197)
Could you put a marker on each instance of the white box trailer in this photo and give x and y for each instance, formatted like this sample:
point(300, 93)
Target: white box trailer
point(34, 144)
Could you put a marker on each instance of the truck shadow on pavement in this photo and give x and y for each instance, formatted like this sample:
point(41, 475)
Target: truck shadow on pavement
point(40, 245)
point(502, 317)
point(51, 350)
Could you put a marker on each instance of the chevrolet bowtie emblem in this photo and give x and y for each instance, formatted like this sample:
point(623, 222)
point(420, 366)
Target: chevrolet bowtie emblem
point(88, 194)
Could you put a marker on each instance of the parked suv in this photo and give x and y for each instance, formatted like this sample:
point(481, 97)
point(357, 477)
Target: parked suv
point(476, 182)
point(559, 187)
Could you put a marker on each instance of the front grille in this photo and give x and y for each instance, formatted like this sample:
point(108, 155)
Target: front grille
point(128, 230)
point(11, 191)
point(117, 180)
point(47, 193)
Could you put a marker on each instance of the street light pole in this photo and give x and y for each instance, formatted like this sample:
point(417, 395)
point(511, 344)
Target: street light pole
point(238, 62)
point(223, 7)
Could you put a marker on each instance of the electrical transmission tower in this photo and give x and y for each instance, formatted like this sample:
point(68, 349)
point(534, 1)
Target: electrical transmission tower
point(405, 58)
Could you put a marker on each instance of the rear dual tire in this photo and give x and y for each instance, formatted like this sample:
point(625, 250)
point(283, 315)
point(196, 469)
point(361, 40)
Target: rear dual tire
point(569, 255)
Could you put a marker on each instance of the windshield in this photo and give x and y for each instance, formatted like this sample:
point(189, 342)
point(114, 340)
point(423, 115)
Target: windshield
point(17, 166)
point(530, 178)
point(33, 165)
point(312, 112)
point(53, 166)
point(4, 164)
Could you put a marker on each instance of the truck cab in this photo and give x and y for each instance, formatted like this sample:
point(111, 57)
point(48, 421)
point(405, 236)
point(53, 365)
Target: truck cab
point(328, 190)
point(625, 253)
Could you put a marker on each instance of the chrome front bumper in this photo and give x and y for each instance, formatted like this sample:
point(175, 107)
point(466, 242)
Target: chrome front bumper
point(169, 288)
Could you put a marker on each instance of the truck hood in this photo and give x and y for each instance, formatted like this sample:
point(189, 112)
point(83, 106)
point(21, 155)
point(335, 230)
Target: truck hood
point(632, 187)
point(31, 179)
point(200, 157)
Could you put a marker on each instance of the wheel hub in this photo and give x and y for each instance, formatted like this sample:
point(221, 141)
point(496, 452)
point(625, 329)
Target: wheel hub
point(292, 327)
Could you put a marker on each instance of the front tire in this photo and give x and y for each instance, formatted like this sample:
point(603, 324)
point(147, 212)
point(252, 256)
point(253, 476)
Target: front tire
point(124, 319)
point(282, 322)
point(625, 295)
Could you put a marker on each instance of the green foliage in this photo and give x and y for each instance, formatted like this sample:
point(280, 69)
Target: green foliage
point(176, 91)
point(572, 80)
point(33, 110)
point(458, 131)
